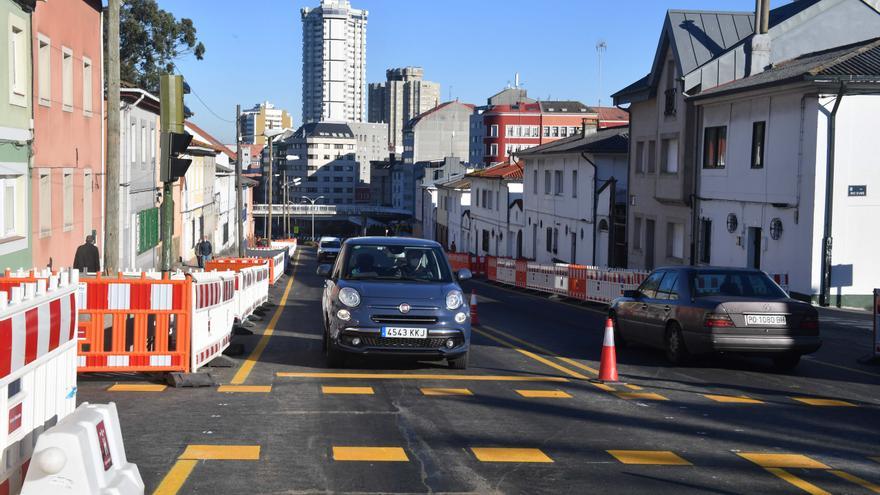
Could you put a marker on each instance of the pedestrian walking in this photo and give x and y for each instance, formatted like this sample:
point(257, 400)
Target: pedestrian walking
point(204, 250)
point(454, 250)
point(87, 258)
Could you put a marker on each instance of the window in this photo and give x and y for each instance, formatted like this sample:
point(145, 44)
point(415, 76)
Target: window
point(66, 79)
point(637, 233)
point(143, 144)
point(18, 61)
point(649, 287)
point(563, 131)
point(44, 68)
point(758, 136)
point(675, 240)
point(132, 141)
point(45, 202)
point(493, 130)
point(11, 194)
point(640, 157)
point(535, 182)
point(554, 131)
point(546, 182)
point(484, 201)
point(705, 240)
point(486, 240)
point(652, 157)
point(667, 289)
point(557, 175)
point(574, 183)
point(489, 195)
point(152, 143)
point(669, 150)
point(546, 131)
point(87, 201)
point(549, 239)
point(87, 86)
point(67, 190)
point(714, 147)
point(493, 149)
point(555, 241)
point(477, 197)
point(497, 200)
point(508, 130)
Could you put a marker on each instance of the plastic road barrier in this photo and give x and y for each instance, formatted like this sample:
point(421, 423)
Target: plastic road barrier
point(289, 244)
point(37, 367)
point(214, 305)
point(458, 261)
point(277, 259)
point(781, 279)
point(83, 455)
point(251, 282)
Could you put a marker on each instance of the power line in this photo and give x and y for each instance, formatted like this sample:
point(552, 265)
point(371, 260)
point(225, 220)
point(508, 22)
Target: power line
point(209, 108)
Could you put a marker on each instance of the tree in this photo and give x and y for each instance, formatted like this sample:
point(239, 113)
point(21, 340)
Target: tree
point(151, 41)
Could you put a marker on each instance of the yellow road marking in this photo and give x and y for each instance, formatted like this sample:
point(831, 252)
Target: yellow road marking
point(632, 387)
point(855, 479)
point(640, 396)
point(798, 482)
point(603, 386)
point(221, 452)
point(578, 365)
point(176, 477)
point(649, 457)
point(538, 348)
point(446, 391)
point(245, 388)
point(488, 454)
point(795, 461)
point(374, 454)
point(815, 401)
point(544, 394)
point(347, 390)
point(534, 356)
point(137, 387)
point(248, 365)
point(421, 376)
point(733, 399)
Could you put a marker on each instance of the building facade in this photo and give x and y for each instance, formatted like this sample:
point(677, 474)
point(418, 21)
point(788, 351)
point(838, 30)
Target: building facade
point(326, 163)
point(403, 96)
point(440, 132)
point(68, 162)
point(453, 201)
point(255, 121)
point(496, 193)
point(371, 146)
point(197, 214)
point(334, 62)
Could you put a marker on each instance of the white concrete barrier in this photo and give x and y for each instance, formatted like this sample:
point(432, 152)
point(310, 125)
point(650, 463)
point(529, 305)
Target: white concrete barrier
point(83, 455)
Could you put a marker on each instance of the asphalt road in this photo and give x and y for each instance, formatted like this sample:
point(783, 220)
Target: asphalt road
point(524, 418)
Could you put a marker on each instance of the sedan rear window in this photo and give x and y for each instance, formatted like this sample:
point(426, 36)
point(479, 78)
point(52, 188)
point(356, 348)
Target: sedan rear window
point(330, 244)
point(393, 262)
point(735, 283)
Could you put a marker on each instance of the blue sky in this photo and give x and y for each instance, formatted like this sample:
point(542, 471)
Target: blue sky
point(472, 48)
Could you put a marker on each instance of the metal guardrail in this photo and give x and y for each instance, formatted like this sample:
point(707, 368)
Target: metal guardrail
point(261, 210)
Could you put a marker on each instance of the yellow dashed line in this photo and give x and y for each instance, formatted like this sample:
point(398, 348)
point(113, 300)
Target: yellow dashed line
point(534, 356)
point(795, 461)
point(603, 386)
point(245, 388)
point(137, 387)
point(578, 365)
point(815, 401)
point(544, 394)
point(446, 391)
point(420, 376)
point(632, 387)
point(649, 457)
point(798, 482)
point(640, 396)
point(176, 477)
point(855, 479)
point(371, 454)
point(733, 399)
point(347, 390)
point(487, 454)
point(222, 452)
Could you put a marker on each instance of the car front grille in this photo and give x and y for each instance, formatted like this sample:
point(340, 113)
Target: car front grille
point(405, 319)
point(398, 343)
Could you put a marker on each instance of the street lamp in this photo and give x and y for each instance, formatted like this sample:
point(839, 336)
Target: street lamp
point(313, 201)
point(285, 186)
point(270, 135)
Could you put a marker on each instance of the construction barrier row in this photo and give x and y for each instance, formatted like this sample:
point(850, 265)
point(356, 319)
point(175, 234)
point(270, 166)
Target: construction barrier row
point(476, 264)
point(37, 366)
point(289, 244)
point(277, 257)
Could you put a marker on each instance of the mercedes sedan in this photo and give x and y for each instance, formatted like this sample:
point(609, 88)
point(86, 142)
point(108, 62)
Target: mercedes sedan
point(394, 296)
point(699, 310)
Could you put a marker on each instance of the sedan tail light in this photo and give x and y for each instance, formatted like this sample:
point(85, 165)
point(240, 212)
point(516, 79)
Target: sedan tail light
point(718, 320)
point(810, 322)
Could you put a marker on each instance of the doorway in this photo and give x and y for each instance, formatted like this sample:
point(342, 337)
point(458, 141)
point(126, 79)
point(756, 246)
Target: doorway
point(649, 244)
point(534, 241)
point(519, 244)
point(754, 241)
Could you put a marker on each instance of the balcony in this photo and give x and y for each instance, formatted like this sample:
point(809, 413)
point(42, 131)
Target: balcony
point(671, 100)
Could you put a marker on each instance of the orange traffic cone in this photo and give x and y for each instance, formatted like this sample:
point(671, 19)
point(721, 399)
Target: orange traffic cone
point(608, 364)
point(475, 318)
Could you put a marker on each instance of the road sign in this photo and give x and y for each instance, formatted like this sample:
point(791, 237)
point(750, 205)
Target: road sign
point(296, 229)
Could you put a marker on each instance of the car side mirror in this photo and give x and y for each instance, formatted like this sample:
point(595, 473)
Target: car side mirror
point(464, 274)
point(323, 271)
point(632, 294)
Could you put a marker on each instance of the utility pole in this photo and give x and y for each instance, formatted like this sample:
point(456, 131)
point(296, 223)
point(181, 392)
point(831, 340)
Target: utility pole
point(601, 46)
point(111, 183)
point(284, 200)
point(239, 228)
point(173, 142)
point(268, 229)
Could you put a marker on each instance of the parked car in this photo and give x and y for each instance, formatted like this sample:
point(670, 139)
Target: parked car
point(698, 310)
point(328, 248)
point(394, 296)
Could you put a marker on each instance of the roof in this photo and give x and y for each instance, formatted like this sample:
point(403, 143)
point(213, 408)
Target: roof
point(612, 117)
point(391, 241)
point(246, 182)
point(613, 140)
point(201, 148)
point(415, 120)
point(564, 106)
point(144, 99)
point(455, 182)
point(325, 130)
point(858, 62)
point(504, 171)
point(218, 146)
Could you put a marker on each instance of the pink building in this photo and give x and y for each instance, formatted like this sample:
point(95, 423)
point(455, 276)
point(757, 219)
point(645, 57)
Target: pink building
point(68, 171)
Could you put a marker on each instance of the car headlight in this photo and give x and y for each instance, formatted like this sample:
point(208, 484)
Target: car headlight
point(461, 317)
point(454, 300)
point(349, 297)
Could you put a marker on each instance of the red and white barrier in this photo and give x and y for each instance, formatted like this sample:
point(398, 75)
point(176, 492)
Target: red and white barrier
point(289, 244)
point(214, 308)
point(37, 367)
point(781, 280)
point(251, 290)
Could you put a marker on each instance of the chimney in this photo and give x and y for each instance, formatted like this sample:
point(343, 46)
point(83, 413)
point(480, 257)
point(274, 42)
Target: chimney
point(759, 47)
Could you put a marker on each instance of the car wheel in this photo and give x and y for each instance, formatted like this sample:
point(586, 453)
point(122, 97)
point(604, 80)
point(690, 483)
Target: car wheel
point(619, 340)
point(676, 350)
point(786, 362)
point(332, 355)
point(459, 363)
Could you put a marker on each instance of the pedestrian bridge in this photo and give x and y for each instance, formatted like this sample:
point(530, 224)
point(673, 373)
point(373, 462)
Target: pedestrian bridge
point(330, 211)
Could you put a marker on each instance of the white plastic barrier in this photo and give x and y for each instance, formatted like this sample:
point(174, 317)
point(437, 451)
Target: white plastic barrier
point(505, 271)
point(290, 245)
point(213, 314)
point(83, 455)
point(252, 290)
point(37, 367)
point(279, 257)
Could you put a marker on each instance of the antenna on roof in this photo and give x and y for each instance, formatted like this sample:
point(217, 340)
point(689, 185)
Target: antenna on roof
point(516, 81)
point(601, 46)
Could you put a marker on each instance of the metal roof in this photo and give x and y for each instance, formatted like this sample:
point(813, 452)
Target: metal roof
point(324, 130)
point(613, 140)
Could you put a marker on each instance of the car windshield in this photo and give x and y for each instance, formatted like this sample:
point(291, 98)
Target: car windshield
point(736, 283)
point(330, 244)
point(394, 262)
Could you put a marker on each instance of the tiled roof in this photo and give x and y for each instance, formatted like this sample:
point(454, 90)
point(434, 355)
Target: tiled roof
point(614, 140)
point(505, 171)
point(218, 146)
point(612, 117)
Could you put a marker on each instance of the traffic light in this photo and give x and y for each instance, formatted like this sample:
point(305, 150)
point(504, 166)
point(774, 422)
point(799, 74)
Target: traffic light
point(174, 144)
point(174, 140)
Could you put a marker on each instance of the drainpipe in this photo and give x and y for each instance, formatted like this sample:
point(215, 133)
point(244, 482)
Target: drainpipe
point(825, 288)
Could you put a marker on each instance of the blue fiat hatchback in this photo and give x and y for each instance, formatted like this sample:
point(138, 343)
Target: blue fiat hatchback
point(394, 296)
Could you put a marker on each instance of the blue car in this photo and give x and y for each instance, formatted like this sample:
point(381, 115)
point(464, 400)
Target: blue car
point(394, 296)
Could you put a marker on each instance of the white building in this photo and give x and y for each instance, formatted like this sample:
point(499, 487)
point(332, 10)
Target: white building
point(325, 162)
point(440, 132)
point(255, 121)
point(453, 201)
point(766, 158)
point(334, 62)
point(571, 187)
point(494, 191)
point(372, 146)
